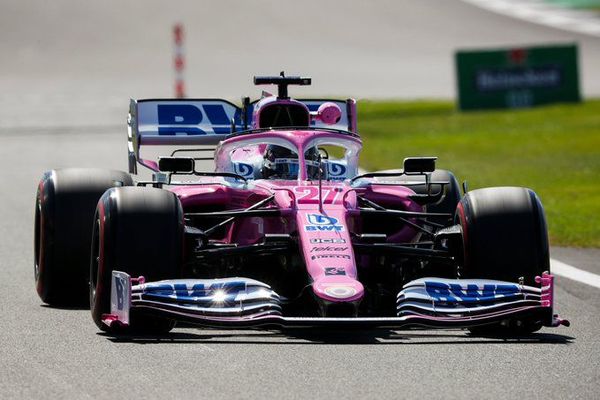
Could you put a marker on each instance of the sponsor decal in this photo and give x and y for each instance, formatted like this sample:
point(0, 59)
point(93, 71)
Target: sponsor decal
point(286, 161)
point(336, 172)
point(327, 248)
point(518, 78)
point(453, 291)
point(319, 219)
point(244, 169)
point(325, 228)
point(186, 119)
point(322, 223)
point(327, 241)
point(335, 271)
point(310, 194)
point(184, 290)
point(120, 289)
point(343, 256)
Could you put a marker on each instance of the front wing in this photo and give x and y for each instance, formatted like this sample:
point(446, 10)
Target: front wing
point(422, 303)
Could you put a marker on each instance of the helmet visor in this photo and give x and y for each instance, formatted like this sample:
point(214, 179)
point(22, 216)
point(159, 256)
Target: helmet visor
point(286, 168)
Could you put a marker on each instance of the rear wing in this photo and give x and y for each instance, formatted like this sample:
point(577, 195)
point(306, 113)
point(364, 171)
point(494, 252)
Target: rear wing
point(201, 122)
point(176, 122)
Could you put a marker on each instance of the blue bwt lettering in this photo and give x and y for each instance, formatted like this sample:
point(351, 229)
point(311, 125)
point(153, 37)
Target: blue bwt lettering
point(179, 114)
point(216, 114)
point(183, 291)
point(178, 119)
point(455, 292)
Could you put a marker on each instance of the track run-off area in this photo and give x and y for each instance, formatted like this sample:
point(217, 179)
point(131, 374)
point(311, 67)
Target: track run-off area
point(63, 101)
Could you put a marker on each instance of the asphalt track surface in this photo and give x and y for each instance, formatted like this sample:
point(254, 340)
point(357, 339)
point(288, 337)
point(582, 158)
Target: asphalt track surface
point(58, 353)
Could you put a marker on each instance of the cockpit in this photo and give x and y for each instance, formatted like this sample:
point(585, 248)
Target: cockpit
point(282, 163)
point(274, 155)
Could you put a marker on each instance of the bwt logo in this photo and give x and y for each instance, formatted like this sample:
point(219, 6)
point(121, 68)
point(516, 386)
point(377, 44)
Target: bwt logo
point(244, 169)
point(322, 223)
point(318, 219)
point(336, 171)
point(183, 290)
point(188, 119)
point(440, 291)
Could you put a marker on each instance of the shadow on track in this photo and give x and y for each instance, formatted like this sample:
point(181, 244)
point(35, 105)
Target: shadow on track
point(335, 337)
point(67, 308)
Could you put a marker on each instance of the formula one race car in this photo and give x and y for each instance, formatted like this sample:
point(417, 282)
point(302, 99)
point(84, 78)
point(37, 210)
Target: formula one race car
point(284, 230)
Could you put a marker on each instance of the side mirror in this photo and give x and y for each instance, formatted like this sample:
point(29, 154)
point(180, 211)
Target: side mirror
point(419, 165)
point(180, 165)
point(328, 113)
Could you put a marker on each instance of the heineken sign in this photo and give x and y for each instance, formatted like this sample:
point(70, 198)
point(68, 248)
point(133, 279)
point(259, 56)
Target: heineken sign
point(512, 78)
point(489, 80)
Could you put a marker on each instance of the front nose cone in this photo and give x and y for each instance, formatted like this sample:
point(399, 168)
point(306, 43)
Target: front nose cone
point(338, 288)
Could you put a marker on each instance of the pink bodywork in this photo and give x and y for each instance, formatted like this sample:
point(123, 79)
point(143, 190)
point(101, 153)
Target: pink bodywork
point(323, 227)
point(547, 298)
point(329, 113)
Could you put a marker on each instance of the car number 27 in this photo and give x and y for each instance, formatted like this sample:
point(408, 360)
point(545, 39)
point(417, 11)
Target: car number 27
point(310, 195)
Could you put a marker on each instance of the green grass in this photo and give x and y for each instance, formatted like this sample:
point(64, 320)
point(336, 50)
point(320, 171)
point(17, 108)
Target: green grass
point(554, 150)
point(590, 4)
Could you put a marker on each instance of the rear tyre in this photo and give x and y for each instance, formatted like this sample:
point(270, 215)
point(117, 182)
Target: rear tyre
point(64, 213)
point(504, 238)
point(139, 231)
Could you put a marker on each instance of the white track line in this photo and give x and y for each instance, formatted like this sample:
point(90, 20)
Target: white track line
point(576, 274)
point(540, 12)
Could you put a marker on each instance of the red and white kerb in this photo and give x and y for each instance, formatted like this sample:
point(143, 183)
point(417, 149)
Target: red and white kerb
point(179, 61)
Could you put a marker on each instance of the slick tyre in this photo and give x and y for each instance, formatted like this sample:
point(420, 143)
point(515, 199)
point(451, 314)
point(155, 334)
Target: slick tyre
point(139, 231)
point(504, 238)
point(64, 213)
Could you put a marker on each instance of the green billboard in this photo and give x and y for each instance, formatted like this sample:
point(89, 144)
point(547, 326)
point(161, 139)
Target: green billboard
point(518, 77)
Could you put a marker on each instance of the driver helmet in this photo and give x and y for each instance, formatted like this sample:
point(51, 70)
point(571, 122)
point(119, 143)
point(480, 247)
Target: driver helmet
point(282, 163)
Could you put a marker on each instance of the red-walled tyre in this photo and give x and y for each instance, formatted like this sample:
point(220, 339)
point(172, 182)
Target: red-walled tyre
point(139, 231)
point(504, 238)
point(64, 213)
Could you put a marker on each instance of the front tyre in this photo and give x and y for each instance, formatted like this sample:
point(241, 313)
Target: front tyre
point(139, 231)
point(504, 238)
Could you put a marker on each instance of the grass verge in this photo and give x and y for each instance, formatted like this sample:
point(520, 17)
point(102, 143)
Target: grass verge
point(554, 150)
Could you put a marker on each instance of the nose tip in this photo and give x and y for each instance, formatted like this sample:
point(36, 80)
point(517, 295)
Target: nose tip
point(338, 288)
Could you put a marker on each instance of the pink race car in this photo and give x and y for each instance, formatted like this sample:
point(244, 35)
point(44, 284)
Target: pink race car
point(284, 230)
